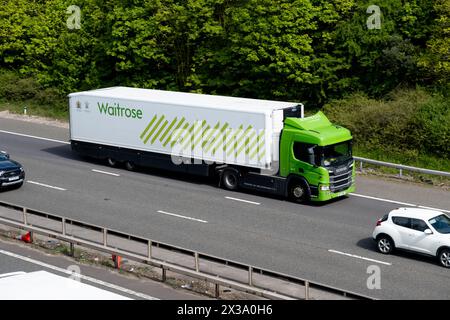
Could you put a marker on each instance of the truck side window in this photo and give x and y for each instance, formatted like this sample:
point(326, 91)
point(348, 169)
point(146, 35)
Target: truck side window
point(302, 151)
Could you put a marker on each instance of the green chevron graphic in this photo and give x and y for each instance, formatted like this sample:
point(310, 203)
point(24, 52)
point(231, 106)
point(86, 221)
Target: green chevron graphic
point(209, 137)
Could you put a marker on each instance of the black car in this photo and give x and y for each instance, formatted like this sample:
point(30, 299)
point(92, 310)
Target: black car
point(11, 172)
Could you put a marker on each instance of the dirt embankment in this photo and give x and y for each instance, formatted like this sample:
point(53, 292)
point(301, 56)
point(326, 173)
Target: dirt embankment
point(35, 119)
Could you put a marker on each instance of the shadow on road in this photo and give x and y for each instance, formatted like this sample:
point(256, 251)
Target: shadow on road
point(66, 153)
point(369, 244)
point(63, 151)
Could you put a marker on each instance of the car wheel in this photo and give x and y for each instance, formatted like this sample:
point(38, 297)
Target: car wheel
point(298, 192)
point(444, 258)
point(111, 162)
point(230, 179)
point(130, 166)
point(385, 244)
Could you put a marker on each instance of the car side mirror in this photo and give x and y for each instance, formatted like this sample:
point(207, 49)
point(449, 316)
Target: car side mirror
point(428, 232)
point(5, 154)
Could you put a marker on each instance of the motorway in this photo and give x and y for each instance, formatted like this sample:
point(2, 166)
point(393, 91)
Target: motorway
point(328, 243)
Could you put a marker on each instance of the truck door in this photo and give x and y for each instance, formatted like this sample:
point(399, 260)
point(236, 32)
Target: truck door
point(303, 158)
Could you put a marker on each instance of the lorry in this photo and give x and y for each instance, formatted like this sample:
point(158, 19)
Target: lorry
point(263, 145)
point(43, 285)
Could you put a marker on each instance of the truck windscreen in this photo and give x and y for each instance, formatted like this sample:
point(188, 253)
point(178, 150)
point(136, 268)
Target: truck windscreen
point(337, 153)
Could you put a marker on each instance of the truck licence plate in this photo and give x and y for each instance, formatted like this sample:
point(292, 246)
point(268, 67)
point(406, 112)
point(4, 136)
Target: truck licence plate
point(14, 178)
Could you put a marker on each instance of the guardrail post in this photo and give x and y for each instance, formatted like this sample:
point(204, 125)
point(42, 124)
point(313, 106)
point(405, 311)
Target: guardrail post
point(250, 276)
point(197, 267)
point(105, 233)
point(400, 173)
point(164, 275)
point(360, 166)
point(25, 216)
point(306, 290)
point(63, 226)
point(72, 249)
point(217, 291)
point(149, 249)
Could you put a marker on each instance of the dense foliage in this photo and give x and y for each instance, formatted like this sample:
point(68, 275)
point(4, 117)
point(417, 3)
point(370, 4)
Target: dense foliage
point(408, 120)
point(312, 51)
point(309, 50)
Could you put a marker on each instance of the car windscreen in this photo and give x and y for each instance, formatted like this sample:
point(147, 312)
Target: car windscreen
point(441, 223)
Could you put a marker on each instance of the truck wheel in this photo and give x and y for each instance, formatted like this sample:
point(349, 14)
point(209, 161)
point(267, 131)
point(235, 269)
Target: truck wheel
point(230, 179)
point(130, 166)
point(298, 192)
point(111, 162)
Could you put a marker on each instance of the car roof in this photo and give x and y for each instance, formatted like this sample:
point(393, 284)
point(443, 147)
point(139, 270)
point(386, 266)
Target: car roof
point(417, 213)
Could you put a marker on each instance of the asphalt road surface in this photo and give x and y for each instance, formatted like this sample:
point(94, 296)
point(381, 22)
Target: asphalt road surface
point(328, 243)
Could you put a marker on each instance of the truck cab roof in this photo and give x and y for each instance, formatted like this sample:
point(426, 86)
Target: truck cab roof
point(319, 129)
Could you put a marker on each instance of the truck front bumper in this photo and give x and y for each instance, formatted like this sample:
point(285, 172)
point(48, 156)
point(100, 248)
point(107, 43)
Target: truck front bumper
point(328, 195)
point(12, 181)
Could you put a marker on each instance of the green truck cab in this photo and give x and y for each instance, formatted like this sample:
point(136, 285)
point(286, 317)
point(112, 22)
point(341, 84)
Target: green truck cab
point(316, 157)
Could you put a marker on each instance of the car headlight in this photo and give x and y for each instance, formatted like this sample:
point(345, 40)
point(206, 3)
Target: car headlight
point(324, 188)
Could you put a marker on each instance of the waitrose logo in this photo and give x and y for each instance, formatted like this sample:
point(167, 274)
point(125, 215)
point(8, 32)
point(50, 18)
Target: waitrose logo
point(116, 110)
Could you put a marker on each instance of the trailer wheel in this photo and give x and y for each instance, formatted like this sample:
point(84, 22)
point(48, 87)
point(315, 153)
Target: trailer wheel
point(111, 162)
point(298, 192)
point(130, 166)
point(230, 179)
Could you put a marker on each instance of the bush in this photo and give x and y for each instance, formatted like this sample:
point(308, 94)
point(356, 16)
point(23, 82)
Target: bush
point(13, 87)
point(407, 120)
point(430, 127)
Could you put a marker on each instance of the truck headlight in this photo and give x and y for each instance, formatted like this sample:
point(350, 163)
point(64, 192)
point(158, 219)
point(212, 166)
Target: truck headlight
point(324, 188)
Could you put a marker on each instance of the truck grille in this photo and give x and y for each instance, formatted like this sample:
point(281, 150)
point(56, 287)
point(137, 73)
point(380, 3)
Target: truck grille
point(11, 173)
point(340, 177)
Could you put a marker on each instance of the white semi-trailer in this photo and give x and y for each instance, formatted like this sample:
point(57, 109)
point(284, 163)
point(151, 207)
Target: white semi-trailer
point(250, 143)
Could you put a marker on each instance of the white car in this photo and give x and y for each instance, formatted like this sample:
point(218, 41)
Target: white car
point(420, 230)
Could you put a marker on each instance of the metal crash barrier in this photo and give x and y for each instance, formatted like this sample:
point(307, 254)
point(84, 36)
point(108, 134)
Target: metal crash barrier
point(212, 269)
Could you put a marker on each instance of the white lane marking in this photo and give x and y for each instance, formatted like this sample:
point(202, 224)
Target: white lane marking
point(34, 137)
point(431, 208)
point(241, 200)
point(70, 273)
point(105, 172)
point(18, 273)
point(359, 257)
point(397, 202)
point(180, 216)
point(46, 185)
